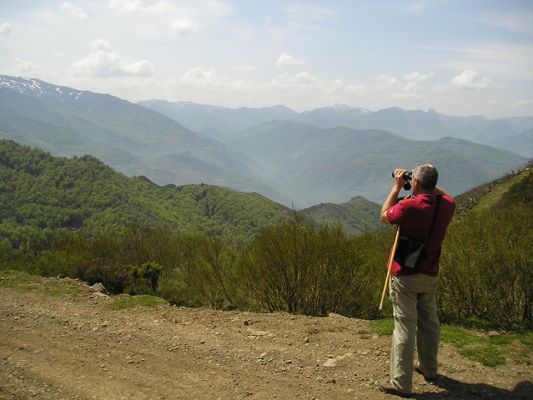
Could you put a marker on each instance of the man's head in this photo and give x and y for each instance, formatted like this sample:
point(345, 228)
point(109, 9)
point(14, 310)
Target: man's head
point(425, 178)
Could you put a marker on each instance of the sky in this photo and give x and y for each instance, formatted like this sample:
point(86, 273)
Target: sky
point(464, 57)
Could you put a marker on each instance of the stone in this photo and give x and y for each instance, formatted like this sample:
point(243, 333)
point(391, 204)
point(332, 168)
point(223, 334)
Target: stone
point(330, 362)
point(258, 333)
point(98, 287)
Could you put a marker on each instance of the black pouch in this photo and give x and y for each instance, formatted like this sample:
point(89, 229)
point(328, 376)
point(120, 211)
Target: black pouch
point(409, 252)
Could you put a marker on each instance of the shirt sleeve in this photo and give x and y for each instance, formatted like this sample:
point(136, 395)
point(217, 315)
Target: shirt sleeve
point(395, 213)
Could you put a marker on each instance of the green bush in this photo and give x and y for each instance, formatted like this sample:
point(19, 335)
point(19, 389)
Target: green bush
point(487, 268)
point(486, 274)
point(144, 278)
point(115, 277)
point(298, 268)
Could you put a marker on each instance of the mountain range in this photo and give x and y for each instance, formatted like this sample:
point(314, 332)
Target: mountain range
point(297, 159)
point(130, 138)
point(226, 123)
point(329, 165)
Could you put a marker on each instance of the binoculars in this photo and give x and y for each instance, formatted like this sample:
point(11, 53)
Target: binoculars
point(407, 176)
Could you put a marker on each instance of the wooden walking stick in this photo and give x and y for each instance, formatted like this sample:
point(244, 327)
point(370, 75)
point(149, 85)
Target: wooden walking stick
point(389, 267)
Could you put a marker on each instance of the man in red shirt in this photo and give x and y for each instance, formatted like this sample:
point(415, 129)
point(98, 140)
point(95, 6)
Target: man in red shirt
point(424, 216)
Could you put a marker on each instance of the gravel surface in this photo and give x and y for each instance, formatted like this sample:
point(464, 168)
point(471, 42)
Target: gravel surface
point(74, 346)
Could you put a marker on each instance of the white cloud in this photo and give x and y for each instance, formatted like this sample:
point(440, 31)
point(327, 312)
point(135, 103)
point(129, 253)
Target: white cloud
point(217, 8)
point(299, 79)
point(523, 103)
point(246, 68)
point(73, 10)
point(102, 45)
point(418, 77)
point(200, 77)
point(502, 60)
point(5, 28)
point(106, 62)
point(183, 26)
point(469, 79)
point(405, 95)
point(305, 78)
point(124, 6)
point(390, 81)
point(185, 16)
point(24, 67)
point(287, 59)
point(410, 86)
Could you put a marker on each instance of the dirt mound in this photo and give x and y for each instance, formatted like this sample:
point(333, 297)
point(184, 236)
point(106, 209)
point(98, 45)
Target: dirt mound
point(63, 340)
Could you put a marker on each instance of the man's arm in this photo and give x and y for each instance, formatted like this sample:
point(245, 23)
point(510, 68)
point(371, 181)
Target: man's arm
point(393, 195)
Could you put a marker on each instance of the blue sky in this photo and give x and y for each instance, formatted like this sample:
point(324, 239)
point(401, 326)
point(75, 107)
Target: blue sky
point(457, 57)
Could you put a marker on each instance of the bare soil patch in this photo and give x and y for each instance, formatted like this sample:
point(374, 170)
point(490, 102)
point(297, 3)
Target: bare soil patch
point(62, 340)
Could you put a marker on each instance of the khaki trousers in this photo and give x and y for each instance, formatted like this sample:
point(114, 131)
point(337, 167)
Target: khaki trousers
point(415, 320)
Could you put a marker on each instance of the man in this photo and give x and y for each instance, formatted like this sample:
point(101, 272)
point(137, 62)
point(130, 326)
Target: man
point(422, 216)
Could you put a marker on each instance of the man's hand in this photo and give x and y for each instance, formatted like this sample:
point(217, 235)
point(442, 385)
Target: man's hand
point(398, 178)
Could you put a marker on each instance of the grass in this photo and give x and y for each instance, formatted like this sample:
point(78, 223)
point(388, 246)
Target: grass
point(23, 282)
point(16, 280)
point(122, 302)
point(62, 290)
point(489, 351)
point(384, 326)
point(497, 192)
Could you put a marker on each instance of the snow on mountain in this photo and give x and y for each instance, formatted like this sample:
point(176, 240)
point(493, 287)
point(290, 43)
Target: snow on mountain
point(36, 87)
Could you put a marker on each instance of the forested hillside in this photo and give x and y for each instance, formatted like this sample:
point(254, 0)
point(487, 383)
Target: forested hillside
point(358, 215)
point(41, 195)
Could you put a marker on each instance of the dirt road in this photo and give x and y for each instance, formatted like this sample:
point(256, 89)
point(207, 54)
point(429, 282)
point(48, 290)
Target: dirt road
point(61, 340)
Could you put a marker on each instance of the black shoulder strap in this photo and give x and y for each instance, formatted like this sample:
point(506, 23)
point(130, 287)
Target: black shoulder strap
point(433, 221)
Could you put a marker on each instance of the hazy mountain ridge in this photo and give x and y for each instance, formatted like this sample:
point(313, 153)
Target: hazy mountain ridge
point(330, 165)
point(412, 124)
point(521, 143)
point(222, 123)
point(69, 122)
point(288, 161)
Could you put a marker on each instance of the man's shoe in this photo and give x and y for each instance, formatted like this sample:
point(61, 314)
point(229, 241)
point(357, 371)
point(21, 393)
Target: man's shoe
point(427, 378)
point(389, 389)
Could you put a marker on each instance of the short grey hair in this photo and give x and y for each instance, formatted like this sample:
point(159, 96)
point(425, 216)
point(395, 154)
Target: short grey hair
point(427, 175)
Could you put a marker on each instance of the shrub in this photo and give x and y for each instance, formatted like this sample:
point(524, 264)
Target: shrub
point(486, 268)
point(297, 268)
point(144, 278)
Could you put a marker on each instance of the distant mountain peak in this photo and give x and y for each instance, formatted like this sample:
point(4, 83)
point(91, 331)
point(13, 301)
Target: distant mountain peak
point(36, 87)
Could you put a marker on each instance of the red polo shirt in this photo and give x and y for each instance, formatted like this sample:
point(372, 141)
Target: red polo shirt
point(414, 216)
